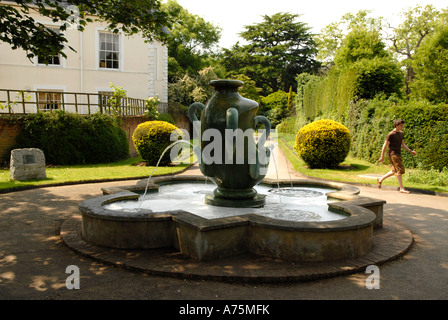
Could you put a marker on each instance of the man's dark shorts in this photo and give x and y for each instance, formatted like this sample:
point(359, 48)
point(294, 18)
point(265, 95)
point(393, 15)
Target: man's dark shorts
point(397, 165)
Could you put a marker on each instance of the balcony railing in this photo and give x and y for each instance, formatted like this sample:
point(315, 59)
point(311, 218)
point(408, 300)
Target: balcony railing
point(23, 102)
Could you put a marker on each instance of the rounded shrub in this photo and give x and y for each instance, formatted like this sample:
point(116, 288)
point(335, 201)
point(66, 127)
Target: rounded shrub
point(323, 143)
point(151, 138)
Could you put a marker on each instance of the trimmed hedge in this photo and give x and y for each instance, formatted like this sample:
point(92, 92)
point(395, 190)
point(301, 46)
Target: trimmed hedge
point(426, 130)
point(323, 143)
point(151, 138)
point(71, 139)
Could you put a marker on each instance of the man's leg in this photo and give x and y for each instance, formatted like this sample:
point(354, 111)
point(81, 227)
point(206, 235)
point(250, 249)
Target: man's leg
point(400, 182)
point(387, 175)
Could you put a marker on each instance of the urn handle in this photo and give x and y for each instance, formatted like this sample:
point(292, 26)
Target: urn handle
point(192, 111)
point(263, 153)
point(267, 128)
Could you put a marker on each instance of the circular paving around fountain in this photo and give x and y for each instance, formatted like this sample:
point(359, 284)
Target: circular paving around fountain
point(389, 243)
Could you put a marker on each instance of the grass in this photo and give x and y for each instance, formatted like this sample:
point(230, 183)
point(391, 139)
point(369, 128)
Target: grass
point(351, 170)
point(125, 169)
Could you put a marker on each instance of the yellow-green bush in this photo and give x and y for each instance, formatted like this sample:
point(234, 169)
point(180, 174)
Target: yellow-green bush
point(323, 143)
point(151, 138)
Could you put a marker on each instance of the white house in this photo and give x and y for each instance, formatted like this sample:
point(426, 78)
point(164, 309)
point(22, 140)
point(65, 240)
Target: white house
point(101, 58)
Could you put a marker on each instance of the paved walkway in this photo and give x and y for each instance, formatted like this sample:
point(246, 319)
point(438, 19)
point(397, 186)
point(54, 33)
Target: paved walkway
point(33, 258)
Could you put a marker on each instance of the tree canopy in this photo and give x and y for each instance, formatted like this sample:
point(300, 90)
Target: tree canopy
point(279, 48)
point(192, 39)
point(20, 30)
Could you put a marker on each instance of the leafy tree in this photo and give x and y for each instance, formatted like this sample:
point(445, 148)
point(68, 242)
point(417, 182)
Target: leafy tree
point(279, 105)
point(194, 88)
point(360, 44)
point(20, 30)
point(278, 49)
point(331, 37)
point(191, 43)
point(378, 75)
point(407, 38)
point(431, 66)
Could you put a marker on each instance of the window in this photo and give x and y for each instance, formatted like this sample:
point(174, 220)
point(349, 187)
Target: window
point(55, 60)
point(109, 51)
point(49, 100)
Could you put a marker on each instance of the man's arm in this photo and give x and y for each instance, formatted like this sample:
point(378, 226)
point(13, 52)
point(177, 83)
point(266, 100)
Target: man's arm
point(408, 149)
point(383, 151)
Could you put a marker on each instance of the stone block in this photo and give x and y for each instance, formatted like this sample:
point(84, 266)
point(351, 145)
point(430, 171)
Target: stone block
point(27, 164)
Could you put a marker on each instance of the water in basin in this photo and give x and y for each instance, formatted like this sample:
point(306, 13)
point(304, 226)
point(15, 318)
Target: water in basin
point(289, 203)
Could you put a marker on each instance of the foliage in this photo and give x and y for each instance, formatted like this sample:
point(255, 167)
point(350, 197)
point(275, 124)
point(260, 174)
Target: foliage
point(360, 44)
point(377, 76)
point(151, 105)
point(67, 138)
point(166, 117)
point(192, 39)
point(189, 89)
point(288, 125)
point(323, 143)
point(426, 130)
point(278, 49)
point(116, 100)
point(431, 177)
point(278, 106)
point(418, 24)
point(20, 30)
point(151, 138)
point(431, 67)
point(327, 95)
point(363, 69)
point(330, 39)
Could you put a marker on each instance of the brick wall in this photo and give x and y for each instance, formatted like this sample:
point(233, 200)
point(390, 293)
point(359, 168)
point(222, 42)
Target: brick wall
point(10, 127)
point(129, 125)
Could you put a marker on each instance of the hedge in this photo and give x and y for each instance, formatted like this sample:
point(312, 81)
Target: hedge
point(71, 139)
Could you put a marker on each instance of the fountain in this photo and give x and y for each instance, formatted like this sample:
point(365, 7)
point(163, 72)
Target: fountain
point(236, 214)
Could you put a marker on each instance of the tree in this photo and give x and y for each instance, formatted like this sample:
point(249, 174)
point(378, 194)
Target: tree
point(406, 39)
point(431, 68)
point(20, 30)
point(278, 49)
point(191, 42)
point(331, 37)
point(360, 44)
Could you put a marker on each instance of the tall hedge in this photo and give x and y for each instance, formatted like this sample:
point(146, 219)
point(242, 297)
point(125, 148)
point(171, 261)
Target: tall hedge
point(70, 139)
point(426, 130)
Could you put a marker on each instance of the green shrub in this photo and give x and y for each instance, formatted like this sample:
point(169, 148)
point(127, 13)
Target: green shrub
point(377, 76)
point(323, 143)
point(165, 117)
point(288, 125)
point(277, 106)
point(71, 139)
point(151, 138)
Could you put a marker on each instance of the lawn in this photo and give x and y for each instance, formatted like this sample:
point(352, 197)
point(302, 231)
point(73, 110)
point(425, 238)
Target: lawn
point(352, 169)
point(126, 169)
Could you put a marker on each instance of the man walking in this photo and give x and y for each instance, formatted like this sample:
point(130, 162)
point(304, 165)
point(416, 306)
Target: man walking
point(395, 141)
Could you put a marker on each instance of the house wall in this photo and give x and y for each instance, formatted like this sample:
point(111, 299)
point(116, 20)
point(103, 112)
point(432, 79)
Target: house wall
point(143, 66)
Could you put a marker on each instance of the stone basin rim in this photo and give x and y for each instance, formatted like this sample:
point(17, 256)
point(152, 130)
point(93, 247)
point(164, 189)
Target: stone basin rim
point(353, 205)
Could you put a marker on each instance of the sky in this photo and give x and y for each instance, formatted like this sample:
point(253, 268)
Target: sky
point(232, 15)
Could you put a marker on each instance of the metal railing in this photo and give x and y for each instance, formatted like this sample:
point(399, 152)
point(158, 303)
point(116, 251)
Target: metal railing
point(24, 102)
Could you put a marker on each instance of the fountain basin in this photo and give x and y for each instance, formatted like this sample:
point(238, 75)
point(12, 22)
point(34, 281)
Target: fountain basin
point(207, 239)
